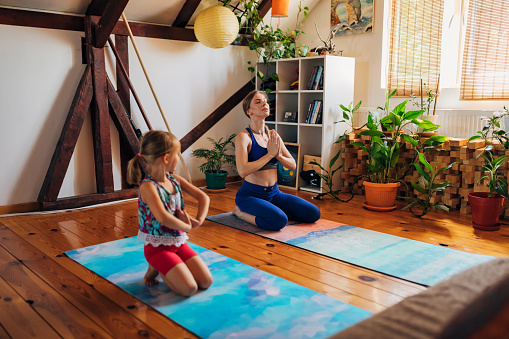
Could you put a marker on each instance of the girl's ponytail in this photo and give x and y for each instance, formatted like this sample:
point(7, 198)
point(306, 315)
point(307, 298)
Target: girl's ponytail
point(134, 170)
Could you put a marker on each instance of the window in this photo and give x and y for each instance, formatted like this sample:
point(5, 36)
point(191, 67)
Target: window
point(485, 67)
point(414, 45)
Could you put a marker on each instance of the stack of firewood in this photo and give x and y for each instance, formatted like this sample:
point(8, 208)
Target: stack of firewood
point(464, 174)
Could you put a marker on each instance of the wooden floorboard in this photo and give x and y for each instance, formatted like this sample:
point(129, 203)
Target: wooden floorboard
point(43, 293)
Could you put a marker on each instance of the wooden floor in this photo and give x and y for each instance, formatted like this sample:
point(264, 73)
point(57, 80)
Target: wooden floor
point(45, 294)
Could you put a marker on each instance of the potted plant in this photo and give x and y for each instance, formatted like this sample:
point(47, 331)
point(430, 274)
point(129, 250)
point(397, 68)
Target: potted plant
point(487, 206)
point(216, 158)
point(425, 104)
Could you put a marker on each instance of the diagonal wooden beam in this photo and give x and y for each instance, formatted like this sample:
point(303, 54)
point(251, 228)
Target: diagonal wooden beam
point(119, 116)
point(215, 116)
point(109, 18)
point(68, 138)
point(264, 7)
point(96, 7)
point(186, 13)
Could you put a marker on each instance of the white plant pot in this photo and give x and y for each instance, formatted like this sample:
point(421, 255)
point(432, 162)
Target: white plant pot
point(431, 118)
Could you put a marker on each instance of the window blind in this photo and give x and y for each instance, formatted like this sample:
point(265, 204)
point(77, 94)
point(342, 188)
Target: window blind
point(414, 45)
point(485, 67)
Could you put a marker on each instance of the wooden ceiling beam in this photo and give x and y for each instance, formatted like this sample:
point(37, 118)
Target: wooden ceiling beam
point(263, 7)
point(18, 17)
point(109, 18)
point(186, 13)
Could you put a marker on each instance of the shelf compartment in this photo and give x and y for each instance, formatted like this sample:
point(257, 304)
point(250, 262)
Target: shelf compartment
point(288, 72)
point(289, 133)
point(287, 102)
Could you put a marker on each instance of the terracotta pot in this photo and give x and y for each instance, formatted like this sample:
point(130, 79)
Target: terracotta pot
point(380, 197)
point(485, 211)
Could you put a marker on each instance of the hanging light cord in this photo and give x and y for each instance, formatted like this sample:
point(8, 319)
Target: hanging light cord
point(153, 91)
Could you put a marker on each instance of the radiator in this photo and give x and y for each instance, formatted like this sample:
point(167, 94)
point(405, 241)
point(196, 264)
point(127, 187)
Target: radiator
point(453, 123)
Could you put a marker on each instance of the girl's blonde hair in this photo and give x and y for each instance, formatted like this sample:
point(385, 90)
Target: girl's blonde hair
point(154, 144)
point(246, 103)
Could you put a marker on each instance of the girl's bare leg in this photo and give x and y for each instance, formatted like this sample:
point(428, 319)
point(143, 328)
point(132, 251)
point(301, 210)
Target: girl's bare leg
point(200, 272)
point(244, 216)
point(180, 280)
point(150, 276)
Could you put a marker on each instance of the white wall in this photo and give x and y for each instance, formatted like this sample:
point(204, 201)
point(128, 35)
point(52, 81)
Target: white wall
point(367, 49)
point(39, 72)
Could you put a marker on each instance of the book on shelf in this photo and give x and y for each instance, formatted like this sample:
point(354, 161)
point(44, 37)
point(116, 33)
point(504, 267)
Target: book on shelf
point(317, 111)
point(314, 112)
point(319, 115)
point(318, 77)
point(312, 78)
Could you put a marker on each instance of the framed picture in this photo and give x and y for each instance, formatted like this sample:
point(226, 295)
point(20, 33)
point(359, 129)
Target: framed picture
point(287, 177)
point(290, 117)
point(352, 17)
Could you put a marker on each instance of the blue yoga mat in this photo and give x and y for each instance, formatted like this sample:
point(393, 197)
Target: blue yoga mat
point(412, 260)
point(243, 301)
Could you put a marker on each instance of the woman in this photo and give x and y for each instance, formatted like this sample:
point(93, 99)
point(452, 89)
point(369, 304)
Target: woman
point(257, 151)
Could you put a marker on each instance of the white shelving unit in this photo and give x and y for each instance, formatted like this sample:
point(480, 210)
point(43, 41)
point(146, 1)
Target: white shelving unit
point(338, 88)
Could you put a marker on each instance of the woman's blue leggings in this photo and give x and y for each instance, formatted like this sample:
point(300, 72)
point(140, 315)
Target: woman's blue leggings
point(272, 208)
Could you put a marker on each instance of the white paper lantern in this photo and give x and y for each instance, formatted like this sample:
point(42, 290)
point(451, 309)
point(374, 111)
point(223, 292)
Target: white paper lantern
point(216, 27)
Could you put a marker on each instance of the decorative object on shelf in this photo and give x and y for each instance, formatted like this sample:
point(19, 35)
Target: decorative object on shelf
point(216, 27)
point(290, 117)
point(352, 17)
point(216, 158)
point(287, 177)
point(486, 206)
point(328, 46)
point(280, 8)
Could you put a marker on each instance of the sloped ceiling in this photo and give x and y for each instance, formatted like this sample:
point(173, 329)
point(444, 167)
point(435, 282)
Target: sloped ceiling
point(161, 12)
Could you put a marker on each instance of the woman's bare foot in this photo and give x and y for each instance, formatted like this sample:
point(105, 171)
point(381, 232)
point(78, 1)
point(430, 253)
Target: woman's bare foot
point(150, 276)
point(236, 211)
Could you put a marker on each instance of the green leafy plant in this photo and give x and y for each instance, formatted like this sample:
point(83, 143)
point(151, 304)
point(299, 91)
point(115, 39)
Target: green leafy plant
point(328, 176)
point(491, 132)
point(427, 186)
point(216, 157)
point(425, 104)
point(271, 42)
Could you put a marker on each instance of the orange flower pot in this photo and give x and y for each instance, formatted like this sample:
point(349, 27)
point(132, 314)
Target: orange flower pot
point(381, 197)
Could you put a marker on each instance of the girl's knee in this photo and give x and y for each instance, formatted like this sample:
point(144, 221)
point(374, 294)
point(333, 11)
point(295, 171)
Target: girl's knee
point(188, 289)
point(206, 282)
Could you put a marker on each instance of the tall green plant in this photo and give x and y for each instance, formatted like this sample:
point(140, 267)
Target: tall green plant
point(216, 157)
point(427, 187)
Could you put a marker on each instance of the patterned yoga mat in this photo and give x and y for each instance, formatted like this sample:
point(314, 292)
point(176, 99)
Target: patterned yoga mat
point(243, 302)
point(412, 260)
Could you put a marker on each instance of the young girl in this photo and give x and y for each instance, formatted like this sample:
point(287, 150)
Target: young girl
point(257, 152)
point(162, 218)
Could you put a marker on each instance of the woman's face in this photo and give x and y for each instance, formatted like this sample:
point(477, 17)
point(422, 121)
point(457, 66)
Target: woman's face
point(259, 106)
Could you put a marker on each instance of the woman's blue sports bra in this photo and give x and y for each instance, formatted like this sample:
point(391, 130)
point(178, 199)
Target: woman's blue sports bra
point(257, 152)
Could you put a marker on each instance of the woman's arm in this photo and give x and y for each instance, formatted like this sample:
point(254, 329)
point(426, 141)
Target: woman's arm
point(202, 198)
point(284, 157)
point(245, 167)
point(150, 196)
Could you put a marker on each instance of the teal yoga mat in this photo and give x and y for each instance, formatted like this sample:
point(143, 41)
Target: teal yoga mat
point(412, 260)
point(243, 302)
